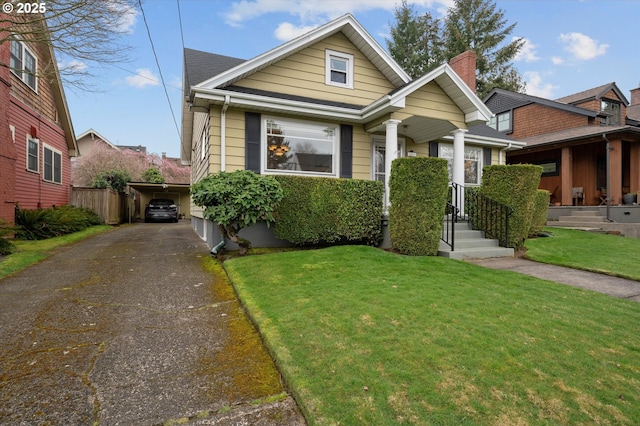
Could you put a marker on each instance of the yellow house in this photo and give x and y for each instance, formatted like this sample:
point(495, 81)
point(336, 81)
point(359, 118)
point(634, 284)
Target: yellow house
point(346, 107)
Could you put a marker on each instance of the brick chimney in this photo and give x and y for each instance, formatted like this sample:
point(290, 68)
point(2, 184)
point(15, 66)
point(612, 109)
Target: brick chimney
point(465, 66)
point(635, 97)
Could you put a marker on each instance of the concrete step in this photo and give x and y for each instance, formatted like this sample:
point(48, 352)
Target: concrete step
point(581, 218)
point(575, 224)
point(470, 244)
point(585, 213)
point(477, 253)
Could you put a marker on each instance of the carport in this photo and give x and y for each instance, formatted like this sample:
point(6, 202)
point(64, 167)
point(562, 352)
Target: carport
point(142, 192)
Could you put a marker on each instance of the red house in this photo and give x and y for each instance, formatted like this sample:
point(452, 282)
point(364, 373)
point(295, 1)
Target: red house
point(569, 138)
point(36, 134)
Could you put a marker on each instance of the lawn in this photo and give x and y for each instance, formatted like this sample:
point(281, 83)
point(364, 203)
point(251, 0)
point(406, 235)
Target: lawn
point(29, 252)
point(363, 336)
point(610, 254)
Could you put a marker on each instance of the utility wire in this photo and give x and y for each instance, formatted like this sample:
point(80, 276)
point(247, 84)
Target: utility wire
point(173, 115)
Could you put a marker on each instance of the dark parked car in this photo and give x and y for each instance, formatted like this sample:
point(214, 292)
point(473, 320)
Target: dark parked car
point(161, 209)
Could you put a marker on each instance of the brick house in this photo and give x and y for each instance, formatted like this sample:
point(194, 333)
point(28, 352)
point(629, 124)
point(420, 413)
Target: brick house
point(36, 134)
point(569, 138)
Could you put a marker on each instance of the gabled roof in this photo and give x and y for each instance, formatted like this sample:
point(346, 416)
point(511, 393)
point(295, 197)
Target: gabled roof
point(501, 100)
point(346, 24)
point(95, 135)
point(200, 66)
point(596, 93)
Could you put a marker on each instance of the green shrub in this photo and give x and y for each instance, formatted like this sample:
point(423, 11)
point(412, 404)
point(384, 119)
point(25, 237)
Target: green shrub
point(317, 210)
point(540, 212)
point(418, 195)
point(236, 200)
point(113, 179)
point(515, 186)
point(6, 246)
point(41, 224)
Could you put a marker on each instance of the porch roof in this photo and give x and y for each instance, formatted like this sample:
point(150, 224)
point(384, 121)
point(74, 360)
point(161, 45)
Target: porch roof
point(576, 134)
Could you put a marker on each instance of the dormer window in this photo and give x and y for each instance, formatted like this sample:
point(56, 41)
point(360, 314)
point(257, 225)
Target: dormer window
point(23, 63)
point(339, 69)
point(610, 112)
point(501, 122)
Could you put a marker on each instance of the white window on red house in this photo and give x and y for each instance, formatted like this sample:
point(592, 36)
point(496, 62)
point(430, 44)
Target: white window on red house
point(33, 157)
point(23, 64)
point(52, 165)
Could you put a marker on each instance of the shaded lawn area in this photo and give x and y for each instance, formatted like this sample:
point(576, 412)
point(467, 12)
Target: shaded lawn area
point(363, 336)
point(609, 254)
point(30, 252)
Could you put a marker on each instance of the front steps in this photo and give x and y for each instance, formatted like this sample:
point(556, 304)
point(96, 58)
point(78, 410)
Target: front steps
point(470, 244)
point(582, 219)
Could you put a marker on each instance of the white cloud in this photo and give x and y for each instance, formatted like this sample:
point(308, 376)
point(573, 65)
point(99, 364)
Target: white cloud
point(557, 60)
point(122, 15)
point(287, 31)
point(527, 52)
point(316, 12)
point(583, 47)
point(73, 66)
point(143, 78)
point(536, 87)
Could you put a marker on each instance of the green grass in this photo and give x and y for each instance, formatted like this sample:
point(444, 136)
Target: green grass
point(363, 336)
point(31, 252)
point(609, 254)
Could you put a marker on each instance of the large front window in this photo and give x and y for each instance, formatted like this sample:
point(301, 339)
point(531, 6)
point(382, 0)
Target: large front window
point(472, 162)
point(299, 147)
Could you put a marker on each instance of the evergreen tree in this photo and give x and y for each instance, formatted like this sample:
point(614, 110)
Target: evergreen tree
point(416, 41)
point(421, 43)
point(477, 25)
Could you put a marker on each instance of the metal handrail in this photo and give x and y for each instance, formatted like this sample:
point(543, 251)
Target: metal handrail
point(483, 213)
point(491, 217)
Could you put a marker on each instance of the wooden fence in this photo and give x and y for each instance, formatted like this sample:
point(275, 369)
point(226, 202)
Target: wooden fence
point(110, 205)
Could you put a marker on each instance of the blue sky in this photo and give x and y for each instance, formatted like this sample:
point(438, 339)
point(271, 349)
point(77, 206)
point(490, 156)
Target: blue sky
point(572, 45)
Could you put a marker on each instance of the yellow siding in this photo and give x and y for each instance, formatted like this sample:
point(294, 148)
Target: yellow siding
point(361, 154)
point(431, 101)
point(303, 74)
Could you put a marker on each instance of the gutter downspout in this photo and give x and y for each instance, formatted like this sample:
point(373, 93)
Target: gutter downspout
point(223, 133)
point(608, 149)
point(504, 150)
point(223, 163)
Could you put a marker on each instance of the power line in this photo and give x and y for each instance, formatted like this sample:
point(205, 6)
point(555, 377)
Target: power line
point(144, 18)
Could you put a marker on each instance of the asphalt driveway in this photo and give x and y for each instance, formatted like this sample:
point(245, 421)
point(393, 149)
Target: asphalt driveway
point(129, 327)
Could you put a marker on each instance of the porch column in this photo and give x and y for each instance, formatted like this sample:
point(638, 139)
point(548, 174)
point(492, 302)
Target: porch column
point(390, 153)
point(566, 176)
point(634, 179)
point(458, 165)
point(615, 172)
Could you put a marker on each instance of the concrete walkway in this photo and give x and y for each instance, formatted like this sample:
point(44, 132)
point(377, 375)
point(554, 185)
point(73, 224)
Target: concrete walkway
point(613, 286)
point(128, 328)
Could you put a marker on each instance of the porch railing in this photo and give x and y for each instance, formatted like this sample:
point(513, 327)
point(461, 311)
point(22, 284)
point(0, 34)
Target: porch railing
point(482, 213)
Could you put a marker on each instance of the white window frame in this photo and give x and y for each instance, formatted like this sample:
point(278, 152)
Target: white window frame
point(54, 152)
point(447, 146)
point(37, 154)
point(22, 73)
point(378, 142)
point(204, 140)
point(264, 154)
point(348, 58)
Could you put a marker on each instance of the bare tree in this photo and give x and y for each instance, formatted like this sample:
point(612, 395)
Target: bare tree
point(81, 33)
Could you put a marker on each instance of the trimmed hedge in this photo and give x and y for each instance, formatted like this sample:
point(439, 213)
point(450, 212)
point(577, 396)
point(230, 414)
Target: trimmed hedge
point(515, 186)
point(418, 196)
point(540, 212)
point(316, 210)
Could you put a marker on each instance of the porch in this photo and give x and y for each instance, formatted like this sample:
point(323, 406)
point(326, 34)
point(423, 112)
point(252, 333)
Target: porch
point(621, 219)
